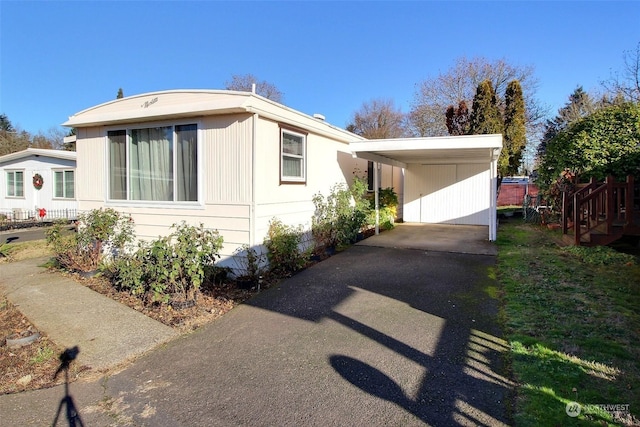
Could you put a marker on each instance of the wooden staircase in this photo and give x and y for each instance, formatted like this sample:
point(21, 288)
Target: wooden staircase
point(601, 213)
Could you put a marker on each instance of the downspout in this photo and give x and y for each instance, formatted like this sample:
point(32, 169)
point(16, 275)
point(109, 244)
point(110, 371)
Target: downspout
point(377, 198)
point(493, 202)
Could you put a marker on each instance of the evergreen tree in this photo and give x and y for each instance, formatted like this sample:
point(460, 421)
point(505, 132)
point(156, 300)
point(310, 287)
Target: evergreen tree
point(600, 144)
point(11, 139)
point(460, 82)
point(515, 137)
point(485, 116)
point(458, 119)
point(579, 105)
point(5, 123)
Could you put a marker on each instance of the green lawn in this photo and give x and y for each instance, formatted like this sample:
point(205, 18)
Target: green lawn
point(572, 317)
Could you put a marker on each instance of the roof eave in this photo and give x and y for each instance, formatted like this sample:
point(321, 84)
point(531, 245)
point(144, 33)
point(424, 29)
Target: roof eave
point(41, 152)
point(229, 102)
point(422, 150)
point(119, 118)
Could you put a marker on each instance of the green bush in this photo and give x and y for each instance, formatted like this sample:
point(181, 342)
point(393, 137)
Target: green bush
point(283, 248)
point(339, 218)
point(388, 206)
point(105, 227)
point(324, 223)
point(101, 233)
point(354, 217)
point(127, 273)
point(168, 267)
point(387, 218)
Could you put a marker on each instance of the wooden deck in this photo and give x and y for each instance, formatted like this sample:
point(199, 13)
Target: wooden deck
point(601, 213)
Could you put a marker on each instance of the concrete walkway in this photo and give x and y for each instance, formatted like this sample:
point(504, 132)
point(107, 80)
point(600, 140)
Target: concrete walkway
point(372, 336)
point(106, 332)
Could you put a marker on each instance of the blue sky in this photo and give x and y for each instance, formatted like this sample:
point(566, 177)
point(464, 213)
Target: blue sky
point(58, 58)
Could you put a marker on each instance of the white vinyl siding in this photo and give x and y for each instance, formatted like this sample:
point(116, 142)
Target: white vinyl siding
point(226, 152)
point(448, 194)
point(15, 183)
point(64, 184)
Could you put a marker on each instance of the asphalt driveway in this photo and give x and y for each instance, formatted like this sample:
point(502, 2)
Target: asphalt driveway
point(371, 336)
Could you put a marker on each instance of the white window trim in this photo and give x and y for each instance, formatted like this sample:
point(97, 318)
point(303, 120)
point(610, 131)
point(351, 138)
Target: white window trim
point(293, 179)
point(24, 175)
point(53, 178)
point(199, 204)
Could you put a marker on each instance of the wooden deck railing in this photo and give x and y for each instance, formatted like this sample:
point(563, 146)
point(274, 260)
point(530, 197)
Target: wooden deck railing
point(608, 210)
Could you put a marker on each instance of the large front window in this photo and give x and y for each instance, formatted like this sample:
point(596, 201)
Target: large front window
point(293, 153)
point(15, 183)
point(154, 164)
point(64, 184)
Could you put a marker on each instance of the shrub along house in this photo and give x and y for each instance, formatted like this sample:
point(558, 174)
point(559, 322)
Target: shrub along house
point(229, 160)
point(38, 181)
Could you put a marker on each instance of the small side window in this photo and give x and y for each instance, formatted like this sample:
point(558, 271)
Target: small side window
point(293, 150)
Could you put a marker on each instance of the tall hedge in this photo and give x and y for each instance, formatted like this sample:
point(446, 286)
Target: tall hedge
point(606, 142)
point(485, 114)
point(515, 137)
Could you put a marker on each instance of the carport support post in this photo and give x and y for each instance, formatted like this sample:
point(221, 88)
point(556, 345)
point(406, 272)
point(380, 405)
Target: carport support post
point(377, 196)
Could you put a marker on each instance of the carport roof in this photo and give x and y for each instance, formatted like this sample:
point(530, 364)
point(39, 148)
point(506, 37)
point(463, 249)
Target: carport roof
point(449, 149)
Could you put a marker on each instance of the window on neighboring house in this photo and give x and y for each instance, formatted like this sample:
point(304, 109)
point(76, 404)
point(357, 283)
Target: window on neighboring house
point(15, 184)
point(154, 164)
point(64, 184)
point(293, 151)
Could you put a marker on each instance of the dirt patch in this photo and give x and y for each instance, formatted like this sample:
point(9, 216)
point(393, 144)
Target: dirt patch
point(31, 366)
point(211, 303)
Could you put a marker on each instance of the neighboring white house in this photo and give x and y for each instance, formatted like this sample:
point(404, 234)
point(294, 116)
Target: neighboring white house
point(53, 171)
point(229, 160)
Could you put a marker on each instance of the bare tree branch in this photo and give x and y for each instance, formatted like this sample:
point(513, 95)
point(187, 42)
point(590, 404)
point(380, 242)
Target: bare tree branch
point(244, 83)
point(626, 82)
point(434, 95)
point(378, 119)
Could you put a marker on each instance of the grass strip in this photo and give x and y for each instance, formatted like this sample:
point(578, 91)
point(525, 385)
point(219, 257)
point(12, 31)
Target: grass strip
point(572, 318)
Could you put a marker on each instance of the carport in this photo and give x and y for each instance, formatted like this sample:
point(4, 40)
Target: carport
point(447, 180)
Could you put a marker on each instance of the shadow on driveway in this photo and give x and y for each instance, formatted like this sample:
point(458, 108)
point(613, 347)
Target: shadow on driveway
point(372, 336)
point(432, 310)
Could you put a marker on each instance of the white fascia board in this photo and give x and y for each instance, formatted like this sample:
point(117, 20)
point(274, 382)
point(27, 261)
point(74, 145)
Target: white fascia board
point(437, 143)
point(283, 114)
point(184, 110)
point(57, 154)
point(377, 158)
point(116, 118)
